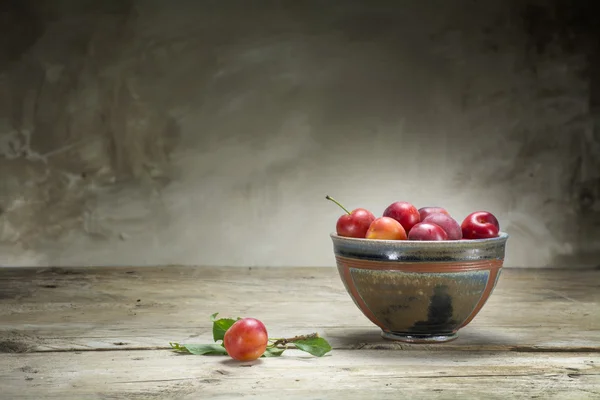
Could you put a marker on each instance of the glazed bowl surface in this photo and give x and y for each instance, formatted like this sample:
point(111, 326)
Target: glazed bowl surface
point(419, 291)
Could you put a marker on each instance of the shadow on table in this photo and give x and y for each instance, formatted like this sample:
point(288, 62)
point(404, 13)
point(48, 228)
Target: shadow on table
point(230, 362)
point(468, 339)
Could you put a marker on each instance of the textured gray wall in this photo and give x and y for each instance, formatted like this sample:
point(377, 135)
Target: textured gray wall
point(208, 132)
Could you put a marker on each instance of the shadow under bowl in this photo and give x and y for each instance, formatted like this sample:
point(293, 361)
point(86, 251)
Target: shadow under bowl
point(419, 291)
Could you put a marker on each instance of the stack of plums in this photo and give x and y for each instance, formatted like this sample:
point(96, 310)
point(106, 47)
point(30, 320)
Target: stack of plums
point(403, 221)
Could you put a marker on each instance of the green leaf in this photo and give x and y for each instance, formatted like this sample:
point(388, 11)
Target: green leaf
point(220, 326)
point(273, 352)
point(200, 349)
point(177, 346)
point(315, 346)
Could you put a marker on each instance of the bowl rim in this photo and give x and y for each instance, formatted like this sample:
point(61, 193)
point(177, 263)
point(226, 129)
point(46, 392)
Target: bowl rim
point(502, 237)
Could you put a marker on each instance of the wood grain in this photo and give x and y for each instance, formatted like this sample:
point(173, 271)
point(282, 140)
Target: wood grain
point(103, 333)
point(345, 374)
point(98, 308)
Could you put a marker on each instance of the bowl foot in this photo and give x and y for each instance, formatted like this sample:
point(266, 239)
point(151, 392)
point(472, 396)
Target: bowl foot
point(419, 338)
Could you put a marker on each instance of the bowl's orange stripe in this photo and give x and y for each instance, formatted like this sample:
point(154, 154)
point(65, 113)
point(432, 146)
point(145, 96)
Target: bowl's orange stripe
point(449, 266)
point(345, 271)
point(484, 297)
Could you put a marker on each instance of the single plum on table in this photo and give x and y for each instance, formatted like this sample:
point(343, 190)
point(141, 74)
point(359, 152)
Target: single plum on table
point(246, 339)
point(353, 224)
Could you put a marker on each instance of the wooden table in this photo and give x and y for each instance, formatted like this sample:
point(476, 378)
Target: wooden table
point(104, 333)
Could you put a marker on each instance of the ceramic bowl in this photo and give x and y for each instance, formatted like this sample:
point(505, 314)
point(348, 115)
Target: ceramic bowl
point(419, 291)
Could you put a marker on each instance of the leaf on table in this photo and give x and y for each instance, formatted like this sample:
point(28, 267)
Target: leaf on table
point(177, 346)
point(220, 326)
point(200, 349)
point(315, 346)
point(273, 352)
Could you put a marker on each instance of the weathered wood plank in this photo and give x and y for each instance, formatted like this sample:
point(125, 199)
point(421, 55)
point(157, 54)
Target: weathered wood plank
point(98, 308)
point(344, 374)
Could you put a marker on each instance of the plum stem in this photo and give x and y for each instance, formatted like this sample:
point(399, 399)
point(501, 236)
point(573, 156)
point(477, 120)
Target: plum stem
point(336, 202)
point(283, 342)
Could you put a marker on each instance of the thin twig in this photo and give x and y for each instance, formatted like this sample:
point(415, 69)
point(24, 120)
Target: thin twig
point(283, 342)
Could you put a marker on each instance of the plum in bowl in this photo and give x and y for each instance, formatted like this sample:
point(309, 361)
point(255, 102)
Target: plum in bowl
point(419, 291)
